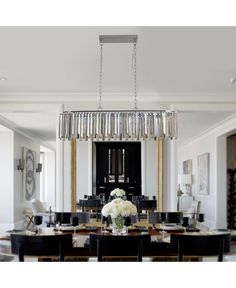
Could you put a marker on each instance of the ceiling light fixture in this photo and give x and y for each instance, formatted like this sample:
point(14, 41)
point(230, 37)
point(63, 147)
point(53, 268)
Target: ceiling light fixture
point(118, 125)
point(232, 80)
point(3, 79)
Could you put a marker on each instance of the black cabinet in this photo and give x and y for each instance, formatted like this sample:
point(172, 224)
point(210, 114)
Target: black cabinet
point(118, 165)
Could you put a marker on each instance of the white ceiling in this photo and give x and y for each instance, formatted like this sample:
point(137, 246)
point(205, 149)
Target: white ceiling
point(187, 68)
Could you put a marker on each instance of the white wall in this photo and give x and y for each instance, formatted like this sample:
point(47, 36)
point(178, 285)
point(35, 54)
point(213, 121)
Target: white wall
point(149, 167)
point(84, 168)
point(12, 205)
point(6, 180)
point(47, 179)
point(169, 176)
point(213, 142)
point(21, 141)
point(192, 151)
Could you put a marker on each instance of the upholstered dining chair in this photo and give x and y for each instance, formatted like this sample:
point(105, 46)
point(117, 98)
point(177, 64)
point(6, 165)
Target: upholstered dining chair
point(62, 217)
point(170, 217)
point(130, 220)
point(41, 245)
point(199, 244)
point(146, 205)
point(65, 217)
point(91, 205)
point(84, 217)
point(118, 247)
point(38, 209)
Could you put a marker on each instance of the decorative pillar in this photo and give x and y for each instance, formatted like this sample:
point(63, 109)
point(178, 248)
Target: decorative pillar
point(73, 174)
point(160, 174)
point(59, 193)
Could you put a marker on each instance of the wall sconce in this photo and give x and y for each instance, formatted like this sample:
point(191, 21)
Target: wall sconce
point(39, 168)
point(21, 165)
point(185, 180)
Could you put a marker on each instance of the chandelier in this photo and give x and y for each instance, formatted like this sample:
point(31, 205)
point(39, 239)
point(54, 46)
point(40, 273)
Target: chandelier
point(117, 125)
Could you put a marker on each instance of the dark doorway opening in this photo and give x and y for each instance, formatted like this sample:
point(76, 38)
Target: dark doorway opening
point(118, 165)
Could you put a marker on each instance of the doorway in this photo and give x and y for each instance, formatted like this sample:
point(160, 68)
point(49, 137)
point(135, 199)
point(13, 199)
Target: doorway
point(231, 181)
point(118, 165)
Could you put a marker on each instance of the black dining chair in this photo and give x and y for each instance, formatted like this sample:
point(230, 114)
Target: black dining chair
point(147, 205)
point(91, 205)
point(154, 218)
point(198, 244)
point(41, 245)
point(83, 217)
point(174, 217)
point(167, 217)
point(130, 220)
point(62, 217)
point(118, 247)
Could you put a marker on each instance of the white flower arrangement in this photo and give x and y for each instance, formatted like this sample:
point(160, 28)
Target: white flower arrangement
point(118, 193)
point(119, 207)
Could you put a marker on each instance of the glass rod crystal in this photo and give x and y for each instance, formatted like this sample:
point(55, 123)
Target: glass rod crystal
point(117, 125)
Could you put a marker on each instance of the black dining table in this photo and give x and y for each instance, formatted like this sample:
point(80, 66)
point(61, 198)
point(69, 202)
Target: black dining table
point(158, 246)
point(160, 240)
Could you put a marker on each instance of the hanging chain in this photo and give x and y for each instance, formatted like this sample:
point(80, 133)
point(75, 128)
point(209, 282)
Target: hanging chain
point(100, 78)
point(134, 64)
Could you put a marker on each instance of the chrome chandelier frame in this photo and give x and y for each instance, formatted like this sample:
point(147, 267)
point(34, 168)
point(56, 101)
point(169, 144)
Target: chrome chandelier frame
point(119, 125)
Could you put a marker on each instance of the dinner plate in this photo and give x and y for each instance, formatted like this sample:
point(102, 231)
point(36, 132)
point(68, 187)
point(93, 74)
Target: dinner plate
point(15, 231)
point(91, 228)
point(71, 228)
point(142, 228)
point(170, 228)
point(130, 228)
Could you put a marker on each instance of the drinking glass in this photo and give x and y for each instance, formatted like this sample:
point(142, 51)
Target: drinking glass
point(107, 221)
point(164, 219)
point(74, 221)
point(127, 221)
point(58, 219)
point(201, 218)
point(38, 220)
point(185, 222)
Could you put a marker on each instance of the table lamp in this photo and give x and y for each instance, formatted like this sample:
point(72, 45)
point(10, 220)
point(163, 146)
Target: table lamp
point(185, 181)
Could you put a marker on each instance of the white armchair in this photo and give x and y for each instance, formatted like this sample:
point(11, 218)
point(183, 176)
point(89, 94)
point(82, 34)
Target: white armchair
point(39, 210)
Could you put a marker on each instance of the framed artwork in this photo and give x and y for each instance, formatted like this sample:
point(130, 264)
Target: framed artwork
point(29, 174)
point(187, 167)
point(203, 173)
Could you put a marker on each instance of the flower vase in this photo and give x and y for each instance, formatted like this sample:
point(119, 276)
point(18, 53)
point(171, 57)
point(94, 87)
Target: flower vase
point(118, 227)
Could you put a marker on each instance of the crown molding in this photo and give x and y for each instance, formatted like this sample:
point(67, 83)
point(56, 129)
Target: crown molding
point(64, 97)
point(29, 107)
point(210, 130)
point(199, 107)
point(12, 126)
